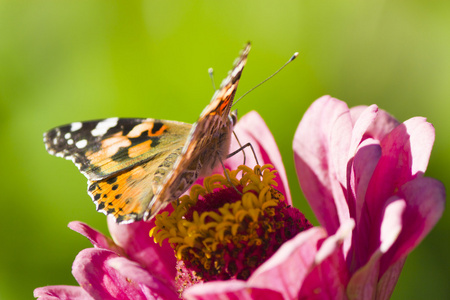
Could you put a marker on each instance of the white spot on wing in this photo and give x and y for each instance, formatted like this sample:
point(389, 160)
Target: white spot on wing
point(235, 72)
point(67, 136)
point(81, 144)
point(70, 142)
point(76, 126)
point(103, 126)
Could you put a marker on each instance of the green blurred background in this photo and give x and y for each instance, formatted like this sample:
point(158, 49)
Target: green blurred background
point(65, 61)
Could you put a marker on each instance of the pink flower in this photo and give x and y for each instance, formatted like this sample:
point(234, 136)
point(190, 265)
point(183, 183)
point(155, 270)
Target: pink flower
point(362, 173)
point(364, 165)
point(131, 267)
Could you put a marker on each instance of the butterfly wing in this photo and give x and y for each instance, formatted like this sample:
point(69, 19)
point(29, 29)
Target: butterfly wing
point(127, 195)
point(208, 142)
point(135, 167)
point(125, 160)
point(102, 148)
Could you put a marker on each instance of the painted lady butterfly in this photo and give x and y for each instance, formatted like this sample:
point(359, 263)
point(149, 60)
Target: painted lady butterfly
point(135, 167)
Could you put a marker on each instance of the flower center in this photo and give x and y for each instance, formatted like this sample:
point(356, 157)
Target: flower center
point(229, 227)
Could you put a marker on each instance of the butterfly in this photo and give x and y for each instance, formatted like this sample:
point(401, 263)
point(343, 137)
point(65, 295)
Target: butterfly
point(135, 167)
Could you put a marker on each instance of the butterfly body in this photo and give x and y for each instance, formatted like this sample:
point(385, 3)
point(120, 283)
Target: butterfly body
point(135, 167)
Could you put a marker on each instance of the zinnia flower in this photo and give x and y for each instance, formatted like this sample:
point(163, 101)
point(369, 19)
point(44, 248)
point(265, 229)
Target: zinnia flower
point(364, 165)
point(362, 173)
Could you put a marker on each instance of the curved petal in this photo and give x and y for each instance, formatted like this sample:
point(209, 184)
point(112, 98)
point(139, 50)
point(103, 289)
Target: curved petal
point(368, 266)
point(425, 203)
point(363, 283)
point(363, 165)
point(387, 282)
point(353, 172)
point(392, 224)
point(98, 239)
point(361, 126)
point(316, 162)
point(229, 290)
point(407, 219)
point(132, 271)
point(405, 153)
point(134, 238)
point(421, 141)
point(101, 281)
point(251, 128)
point(286, 270)
point(61, 292)
point(362, 168)
point(383, 124)
point(329, 276)
point(328, 280)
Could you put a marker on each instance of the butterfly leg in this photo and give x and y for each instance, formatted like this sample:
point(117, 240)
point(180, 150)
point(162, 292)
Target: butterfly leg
point(228, 177)
point(241, 148)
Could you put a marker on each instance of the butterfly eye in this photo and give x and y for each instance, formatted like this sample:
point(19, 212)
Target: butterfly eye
point(233, 117)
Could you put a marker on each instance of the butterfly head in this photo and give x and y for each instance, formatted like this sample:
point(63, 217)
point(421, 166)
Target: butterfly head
point(233, 117)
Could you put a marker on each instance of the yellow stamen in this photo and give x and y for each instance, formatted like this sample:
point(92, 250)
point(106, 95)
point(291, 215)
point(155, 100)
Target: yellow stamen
point(213, 238)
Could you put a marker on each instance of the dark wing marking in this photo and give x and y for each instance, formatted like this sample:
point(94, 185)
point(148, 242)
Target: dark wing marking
point(102, 148)
point(127, 195)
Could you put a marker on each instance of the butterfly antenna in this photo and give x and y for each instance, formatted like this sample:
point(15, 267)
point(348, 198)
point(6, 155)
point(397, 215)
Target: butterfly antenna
point(211, 75)
point(276, 72)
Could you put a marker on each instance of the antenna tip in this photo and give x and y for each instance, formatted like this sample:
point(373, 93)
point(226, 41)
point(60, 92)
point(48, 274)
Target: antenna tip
point(294, 56)
point(210, 71)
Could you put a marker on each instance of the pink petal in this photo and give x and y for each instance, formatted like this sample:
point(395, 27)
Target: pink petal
point(402, 159)
point(422, 136)
point(132, 271)
point(354, 200)
point(229, 290)
point(317, 155)
point(251, 128)
point(61, 292)
point(329, 276)
point(361, 126)
point(139, 246)
point(327, 280)
point(96, 238)
point(340, 138)
point(425, 203)
point(362, 168)
point(389, 279)
point(390, 228)
point(93, 274)
point(383, 124)
point(373, 129)
point(405, 153)
point(407, 219)
point(392, 224)
point(363, 283)
point(286, 270)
